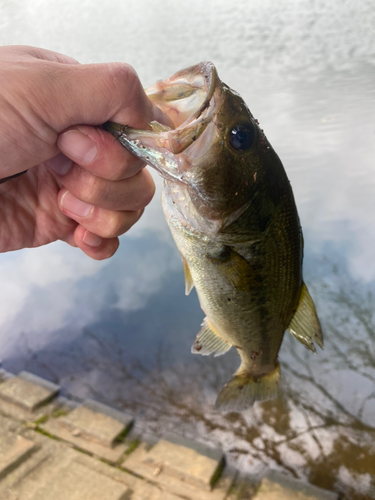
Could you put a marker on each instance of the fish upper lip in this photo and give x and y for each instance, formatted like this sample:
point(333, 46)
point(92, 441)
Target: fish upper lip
point(209, 73)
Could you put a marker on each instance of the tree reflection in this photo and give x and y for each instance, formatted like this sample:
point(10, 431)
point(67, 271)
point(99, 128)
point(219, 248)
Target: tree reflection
point(321, 428)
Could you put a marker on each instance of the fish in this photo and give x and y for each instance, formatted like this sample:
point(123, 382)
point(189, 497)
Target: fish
point(232, 214)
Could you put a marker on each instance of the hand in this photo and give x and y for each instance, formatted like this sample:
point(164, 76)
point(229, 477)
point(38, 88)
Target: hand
point(81, 186)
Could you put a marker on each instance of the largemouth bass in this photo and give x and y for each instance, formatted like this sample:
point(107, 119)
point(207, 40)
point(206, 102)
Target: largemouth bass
point(230, 208)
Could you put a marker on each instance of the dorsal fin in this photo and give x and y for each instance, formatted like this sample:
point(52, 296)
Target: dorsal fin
point(189, 285)
point(208, 341)
point(305, 324)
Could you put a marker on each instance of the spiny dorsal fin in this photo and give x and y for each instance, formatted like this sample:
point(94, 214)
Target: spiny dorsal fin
point(305, 325)
point(189, 285)
point(208, 341)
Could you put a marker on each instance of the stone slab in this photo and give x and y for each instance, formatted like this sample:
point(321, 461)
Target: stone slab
point(9, 429)
point(184, 462)
point(10, 425)
point(14, 449)
point(77, 482)
point(276, 486)
point(207, 451)
point(151, 465)
point(96, 422)
point(22, 415)
point(51, 459)
point(141, 489)
point(41, 382)
point(22, 474)
point(28, 391)
point(122, 417)
point(53, 427)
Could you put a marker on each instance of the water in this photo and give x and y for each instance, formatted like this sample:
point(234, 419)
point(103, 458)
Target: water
point(121, 330)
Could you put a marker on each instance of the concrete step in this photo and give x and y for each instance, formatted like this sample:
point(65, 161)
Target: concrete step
point(78, 482)
point(183, 467)
point(93, 427)
point(14, 449)
point(26, 396)
point(28, 391)
point(97, 422)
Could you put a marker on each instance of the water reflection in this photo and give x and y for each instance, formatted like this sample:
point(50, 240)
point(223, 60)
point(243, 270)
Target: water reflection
point(121, 330)
point(103, 293)
point(322, 426)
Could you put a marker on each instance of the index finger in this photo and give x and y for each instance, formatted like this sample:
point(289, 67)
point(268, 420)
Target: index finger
point(93, 94)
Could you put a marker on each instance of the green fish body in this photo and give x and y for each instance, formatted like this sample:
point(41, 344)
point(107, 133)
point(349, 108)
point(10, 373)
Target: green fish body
point(230, 208)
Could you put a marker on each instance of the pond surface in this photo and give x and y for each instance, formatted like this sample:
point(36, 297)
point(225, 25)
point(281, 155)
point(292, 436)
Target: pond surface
point(121, 330)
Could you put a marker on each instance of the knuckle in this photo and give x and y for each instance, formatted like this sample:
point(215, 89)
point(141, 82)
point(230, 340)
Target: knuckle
point(125, 77)
point(122, 167)
point(113, 227)
point(91, 189)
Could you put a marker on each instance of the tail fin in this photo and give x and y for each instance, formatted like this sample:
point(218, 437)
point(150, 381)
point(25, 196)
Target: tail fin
point(241, 392)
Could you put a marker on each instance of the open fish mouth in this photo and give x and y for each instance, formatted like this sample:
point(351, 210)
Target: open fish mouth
point(187, 98)
point(186, 95)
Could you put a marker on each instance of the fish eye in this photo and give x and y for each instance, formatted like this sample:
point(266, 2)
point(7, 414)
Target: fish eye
point(241, 137)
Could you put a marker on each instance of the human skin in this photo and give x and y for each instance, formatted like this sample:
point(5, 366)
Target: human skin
point(81, 186)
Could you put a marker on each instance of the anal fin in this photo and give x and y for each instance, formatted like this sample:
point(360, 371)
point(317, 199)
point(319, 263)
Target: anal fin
point(244, 389)
point(208, 341)
point(305, 324)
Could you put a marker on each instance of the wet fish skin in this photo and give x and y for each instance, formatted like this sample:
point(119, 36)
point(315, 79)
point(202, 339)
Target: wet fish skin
point(232, 215)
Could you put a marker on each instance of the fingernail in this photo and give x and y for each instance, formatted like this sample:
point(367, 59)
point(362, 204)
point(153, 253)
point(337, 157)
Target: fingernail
point(91, 239)
point(78, 146)
point(75, 206)
point(59, 164)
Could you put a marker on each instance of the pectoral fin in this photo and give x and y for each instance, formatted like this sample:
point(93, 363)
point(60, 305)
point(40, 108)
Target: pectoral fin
point(189, 285)
point(236, 269)
point(305, 325)
point(208, 341)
